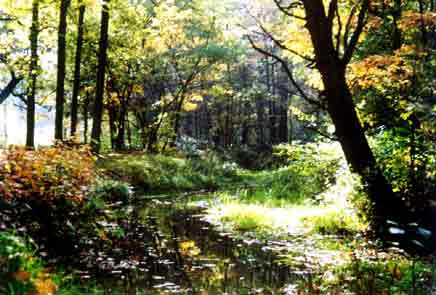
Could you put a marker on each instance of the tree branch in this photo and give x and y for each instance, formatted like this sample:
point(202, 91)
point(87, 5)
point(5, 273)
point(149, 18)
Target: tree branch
point(361, 20)
point(290, 6)
point(288, 72)
point(280, 44)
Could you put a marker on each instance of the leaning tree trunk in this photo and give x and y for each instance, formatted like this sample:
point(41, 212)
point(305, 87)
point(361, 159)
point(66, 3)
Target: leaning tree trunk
point(60, 84)
point(341, 108)
point(33, 70)
point(13, 83)
point(102, 60)
point(78, 59)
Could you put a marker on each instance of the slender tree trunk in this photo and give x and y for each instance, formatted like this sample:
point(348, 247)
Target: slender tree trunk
point(260, 111)
point(129, 131)
point(5, 124)
point(112, 124)
point(85, 118)
point(423, 28)
point(177, 119)
point(102, 61)
point(33, 73)
point(396, 31)
point(120, 141)
point(78, 59)
point(60, 84)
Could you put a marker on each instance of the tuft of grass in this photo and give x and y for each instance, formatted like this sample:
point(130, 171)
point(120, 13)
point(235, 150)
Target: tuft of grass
point(335, 222)
point(248, 218)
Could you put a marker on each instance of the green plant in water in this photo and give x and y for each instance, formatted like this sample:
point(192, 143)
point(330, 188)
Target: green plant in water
point(19, 268)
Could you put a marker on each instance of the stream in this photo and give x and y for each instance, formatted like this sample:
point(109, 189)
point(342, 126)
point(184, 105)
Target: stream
point(169, 248)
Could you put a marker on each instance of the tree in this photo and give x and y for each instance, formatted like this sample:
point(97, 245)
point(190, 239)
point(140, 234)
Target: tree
point(77, 62)
point(60, 84)
point(102, 61)
point(33, 74)
point(334, 42)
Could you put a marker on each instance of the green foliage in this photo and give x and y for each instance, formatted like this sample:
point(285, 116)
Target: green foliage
point(368, 274)
point(306, 171)
point(393, 151)
point(110, 190)
point(19, 269)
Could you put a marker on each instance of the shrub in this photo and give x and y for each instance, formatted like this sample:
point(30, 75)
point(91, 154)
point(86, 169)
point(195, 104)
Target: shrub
point(45, 192)
point(305, 171)
point(47, 174)
point(111, 190)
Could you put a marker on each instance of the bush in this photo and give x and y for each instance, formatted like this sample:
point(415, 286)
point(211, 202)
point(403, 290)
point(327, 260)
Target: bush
point(305, 172)
point(45, 192)
point(111, 190)
point(47, 174)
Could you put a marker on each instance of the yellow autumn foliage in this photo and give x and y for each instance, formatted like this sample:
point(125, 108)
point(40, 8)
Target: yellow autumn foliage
point(45, 286)
point(382, 70)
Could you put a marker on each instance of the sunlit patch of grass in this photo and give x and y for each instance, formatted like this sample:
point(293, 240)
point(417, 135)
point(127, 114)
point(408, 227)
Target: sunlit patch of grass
point(242, 215)
point(335, 222)
point(248, 218)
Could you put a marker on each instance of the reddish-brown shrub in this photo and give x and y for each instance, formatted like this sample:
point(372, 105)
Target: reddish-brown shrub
point(46, 174)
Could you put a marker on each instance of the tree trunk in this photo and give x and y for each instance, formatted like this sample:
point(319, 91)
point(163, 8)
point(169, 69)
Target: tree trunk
point(85, 118)
point(78, 59)
point(119, 140)
point(341, 108)
point(112, 124)
point(33, 73)
point(260, 125)
point(4, 94)
point(102, 61)
point(60, 84)
point(129, 131)
point(396, 31)
point(177, 119)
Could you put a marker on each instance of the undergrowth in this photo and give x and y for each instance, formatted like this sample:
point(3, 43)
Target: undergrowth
point(163, 174)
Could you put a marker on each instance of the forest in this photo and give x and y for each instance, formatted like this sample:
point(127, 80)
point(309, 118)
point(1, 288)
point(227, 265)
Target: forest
point(217, 147)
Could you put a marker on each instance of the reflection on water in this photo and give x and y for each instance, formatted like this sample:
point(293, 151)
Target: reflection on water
point(168, 249)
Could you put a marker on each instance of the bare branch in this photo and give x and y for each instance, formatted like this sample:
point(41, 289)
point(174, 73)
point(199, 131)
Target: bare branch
point(322, 133)
point(333, 6)
point(361, 20)
point(338, 35)
point(280, 44)
point(287, 9)
point(288, 72)
point(348, 26)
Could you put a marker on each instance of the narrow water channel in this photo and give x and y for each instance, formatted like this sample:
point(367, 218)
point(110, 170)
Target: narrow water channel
point(170, 249)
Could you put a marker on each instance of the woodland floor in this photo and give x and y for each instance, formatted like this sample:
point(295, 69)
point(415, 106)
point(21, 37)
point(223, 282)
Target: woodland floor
point(171, 225)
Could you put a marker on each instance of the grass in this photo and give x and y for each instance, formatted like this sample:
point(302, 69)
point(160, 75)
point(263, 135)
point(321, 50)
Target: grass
point(165, 174)
point(370, 273)
point(277, 221)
